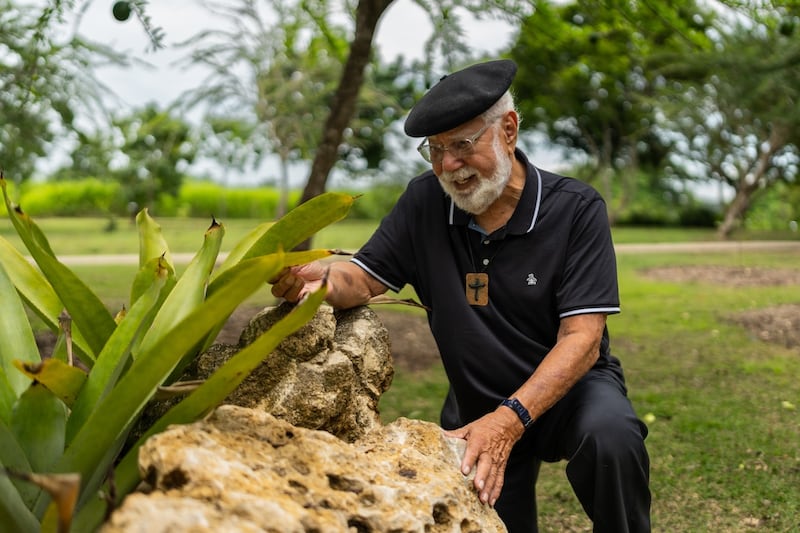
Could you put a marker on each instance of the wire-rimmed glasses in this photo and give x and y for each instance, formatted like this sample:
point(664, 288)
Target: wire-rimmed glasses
point(434, 153)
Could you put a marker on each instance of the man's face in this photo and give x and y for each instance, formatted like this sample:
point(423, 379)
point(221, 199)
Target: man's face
point(474, 181)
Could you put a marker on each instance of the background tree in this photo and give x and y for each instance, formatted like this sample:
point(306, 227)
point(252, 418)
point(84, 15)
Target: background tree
point(156, 150)
point(585, 79)
point(738, 122)
point(279, 76)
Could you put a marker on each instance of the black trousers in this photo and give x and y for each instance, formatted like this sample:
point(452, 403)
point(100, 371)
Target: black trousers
point(596, 430)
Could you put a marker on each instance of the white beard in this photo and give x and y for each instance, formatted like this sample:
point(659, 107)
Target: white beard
point(486, 190)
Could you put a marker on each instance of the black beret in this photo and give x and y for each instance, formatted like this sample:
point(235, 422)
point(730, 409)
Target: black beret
point(460, 97)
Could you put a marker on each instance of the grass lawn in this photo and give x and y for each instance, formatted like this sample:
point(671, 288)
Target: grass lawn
point(724, 406)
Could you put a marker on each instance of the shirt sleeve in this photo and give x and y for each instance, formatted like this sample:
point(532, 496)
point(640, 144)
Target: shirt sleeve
point(388, 255)
point(589, 283)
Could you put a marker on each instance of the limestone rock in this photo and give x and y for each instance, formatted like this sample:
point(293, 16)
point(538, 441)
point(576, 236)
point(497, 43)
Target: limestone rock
point(245, 470)
point(329, 375)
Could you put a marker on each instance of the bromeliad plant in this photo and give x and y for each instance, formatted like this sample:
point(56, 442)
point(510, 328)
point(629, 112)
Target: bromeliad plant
point(62, 428)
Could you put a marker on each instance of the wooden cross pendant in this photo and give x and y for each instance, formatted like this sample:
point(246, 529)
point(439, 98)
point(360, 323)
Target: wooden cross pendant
point(477, 288)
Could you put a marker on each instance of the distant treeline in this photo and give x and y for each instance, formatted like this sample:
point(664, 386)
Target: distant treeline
point(94, 197)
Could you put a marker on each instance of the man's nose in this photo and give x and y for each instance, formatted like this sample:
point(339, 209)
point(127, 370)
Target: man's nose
point(451, 162)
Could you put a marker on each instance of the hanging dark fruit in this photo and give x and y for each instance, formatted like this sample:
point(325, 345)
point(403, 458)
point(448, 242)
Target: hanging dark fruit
point(122, 10)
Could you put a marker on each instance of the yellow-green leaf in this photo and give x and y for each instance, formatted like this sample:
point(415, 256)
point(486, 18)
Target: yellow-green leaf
point(190, 289)
point(301, 223)
point(63, 380)
point(152, 243)
point(240, 249)
point(37, 293)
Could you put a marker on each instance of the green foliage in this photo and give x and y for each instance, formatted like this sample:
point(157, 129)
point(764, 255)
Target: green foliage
point(377, 202)
point(775, 209)
point(159, 148)
point(58, 419)
point(203, 199)
point(585, 73)
point(87, 197)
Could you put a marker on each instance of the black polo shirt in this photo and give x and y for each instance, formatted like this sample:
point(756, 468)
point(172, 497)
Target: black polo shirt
point(553, 259)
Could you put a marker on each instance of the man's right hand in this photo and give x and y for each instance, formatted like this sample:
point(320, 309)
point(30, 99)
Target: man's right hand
point(294, 283)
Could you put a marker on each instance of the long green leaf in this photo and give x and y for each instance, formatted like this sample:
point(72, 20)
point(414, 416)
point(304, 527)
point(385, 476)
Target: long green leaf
point(29, 232)
point(240, 248)
point(152, 243)
point(16, 336)
point(297, 225)
point(205, 398)
point(189, 291)
point(112, 359)
point(37, 293)
point(87, 311)
point(13, 456)
point(7, 397)
point(225, 379)
point(116, 412)
point(291, 259)
point(38, 423)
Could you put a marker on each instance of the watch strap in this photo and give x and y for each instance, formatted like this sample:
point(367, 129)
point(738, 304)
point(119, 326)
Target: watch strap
point(522, 413)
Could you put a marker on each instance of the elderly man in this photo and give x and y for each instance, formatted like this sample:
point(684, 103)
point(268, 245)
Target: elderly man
point(517, 268)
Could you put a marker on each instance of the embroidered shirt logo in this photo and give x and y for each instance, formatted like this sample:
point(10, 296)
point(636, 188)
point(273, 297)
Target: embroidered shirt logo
point(532, 279)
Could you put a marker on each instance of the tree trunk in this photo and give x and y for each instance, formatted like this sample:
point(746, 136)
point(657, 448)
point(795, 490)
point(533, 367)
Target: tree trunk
point(744, 193)
point(344, 100)
point(734, 212)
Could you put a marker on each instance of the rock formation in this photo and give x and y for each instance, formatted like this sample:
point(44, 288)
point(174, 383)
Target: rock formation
point(300, 448)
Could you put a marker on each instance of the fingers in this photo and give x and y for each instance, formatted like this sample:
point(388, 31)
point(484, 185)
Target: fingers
point(489, 477)
point(288, 286)
point(487, 451)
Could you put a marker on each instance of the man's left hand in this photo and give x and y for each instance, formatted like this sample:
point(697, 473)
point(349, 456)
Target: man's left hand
point(489, 442)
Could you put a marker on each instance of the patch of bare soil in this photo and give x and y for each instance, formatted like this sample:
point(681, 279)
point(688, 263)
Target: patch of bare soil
point(778, 324)
point(724, 275)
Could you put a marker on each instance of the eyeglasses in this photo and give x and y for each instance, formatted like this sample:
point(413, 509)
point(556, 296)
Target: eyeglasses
point(434, 153)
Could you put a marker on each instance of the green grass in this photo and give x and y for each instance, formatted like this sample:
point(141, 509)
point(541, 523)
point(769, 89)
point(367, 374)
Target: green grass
point(89, 236)
point(723, 444)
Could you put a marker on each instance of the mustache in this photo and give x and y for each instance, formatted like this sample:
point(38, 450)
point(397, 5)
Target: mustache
point(455, 175)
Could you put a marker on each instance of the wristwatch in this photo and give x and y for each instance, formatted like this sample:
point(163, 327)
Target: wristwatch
point(522, 413)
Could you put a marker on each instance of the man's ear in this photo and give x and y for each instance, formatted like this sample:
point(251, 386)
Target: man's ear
point(511, 127)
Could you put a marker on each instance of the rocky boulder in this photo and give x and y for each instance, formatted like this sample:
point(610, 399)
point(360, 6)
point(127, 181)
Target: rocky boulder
point(299, 447)
point(244, 470)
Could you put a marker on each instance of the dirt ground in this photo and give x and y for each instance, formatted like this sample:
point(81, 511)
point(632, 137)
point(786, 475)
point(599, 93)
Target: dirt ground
point(778, 324)
point(413, 347)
